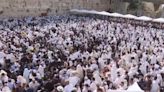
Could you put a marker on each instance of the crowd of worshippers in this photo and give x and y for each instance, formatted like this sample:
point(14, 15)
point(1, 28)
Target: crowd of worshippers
point(79, 54)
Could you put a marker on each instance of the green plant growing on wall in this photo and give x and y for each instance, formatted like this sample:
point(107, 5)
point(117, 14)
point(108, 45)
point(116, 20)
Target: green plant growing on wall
point(134, 4)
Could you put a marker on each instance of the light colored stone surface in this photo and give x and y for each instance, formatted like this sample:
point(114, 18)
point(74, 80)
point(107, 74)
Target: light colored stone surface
point(19, 8)
point(148, 9)
point(160, 11)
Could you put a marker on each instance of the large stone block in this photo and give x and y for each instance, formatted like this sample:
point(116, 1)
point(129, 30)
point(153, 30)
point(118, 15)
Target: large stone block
point(148, 9)
point(4, 4)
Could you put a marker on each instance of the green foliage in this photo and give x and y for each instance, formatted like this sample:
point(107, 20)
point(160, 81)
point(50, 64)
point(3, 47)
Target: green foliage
point(134, 4)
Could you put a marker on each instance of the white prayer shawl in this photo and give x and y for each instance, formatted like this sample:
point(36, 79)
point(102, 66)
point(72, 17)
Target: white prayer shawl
point(160, 57)
point(159, 78)
point(68, 88)
point(11, 57)
point(101, 63)
point(118, 81)
point(135, 88)
point(113, 72)
point(70, 63)
point(93, 67)
point(132, 71)
point(126, 58)
point(155, 86)
point(78, 89)
point(26, 74)
point(5, 78)
point(93, 86)
point(121, 71)
point(79, 70)
point(34, 58)
point(50, 54)
point(30, 35)
point(74, 55)
point(21, 79)
point(31, 76)
point(153, 59)
point(34, 84)
point(143, 66)
point(16, 40)
point(73, 80)
point(1, 44)
point(41, 70)
point(84, 89)
point(6, 89)
point(2, 62)
point(87, 81)
point(2, 72)
point(97, 77)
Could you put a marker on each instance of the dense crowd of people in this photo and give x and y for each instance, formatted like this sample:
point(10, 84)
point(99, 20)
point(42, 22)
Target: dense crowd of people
point(79, 54)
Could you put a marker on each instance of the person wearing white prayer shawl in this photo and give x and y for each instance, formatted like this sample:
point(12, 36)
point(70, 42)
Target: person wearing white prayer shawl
point(126, 59)
point(143, 66)
point(60, 89)
point(113, 72)
point(31, 75)
point(11, 84)
point(2, 55)
point(4, 77)
point(73, 80)
point(64, 74)
point(1, 44)
point(6, 89)
point(15, 67)
point(97, 77)
point(34, 58)
point(34, 84)
point(78, 89)
point(30, 35)
point(87, 81)
point(93, 66)
point(50, 55)
point(153, 59)
point(26, 74)
point(74, 55)
point(132, 71)
point(41, 69)
point(121, 71)
point(101, 63)
point(85, 88)
point(93, 86)
point(1, 84)
point(38, 75)
point(155, 85)
point(79, 71)
point(21, 80)
point(119, 79)
point(30, 49)
point(69, 87)
point(2, 72)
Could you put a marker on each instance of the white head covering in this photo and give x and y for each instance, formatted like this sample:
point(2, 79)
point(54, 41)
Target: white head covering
point(60, 88)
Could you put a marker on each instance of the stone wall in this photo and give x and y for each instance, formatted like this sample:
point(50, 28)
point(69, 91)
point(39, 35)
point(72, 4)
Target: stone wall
point(21, 8)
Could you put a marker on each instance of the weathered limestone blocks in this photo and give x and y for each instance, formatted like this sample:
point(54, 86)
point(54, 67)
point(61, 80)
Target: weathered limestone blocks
point(148, 9)
point(20, 8)
point(160, 11)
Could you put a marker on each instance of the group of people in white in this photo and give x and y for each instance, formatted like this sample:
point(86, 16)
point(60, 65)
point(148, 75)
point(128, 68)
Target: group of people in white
point(79, 54)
